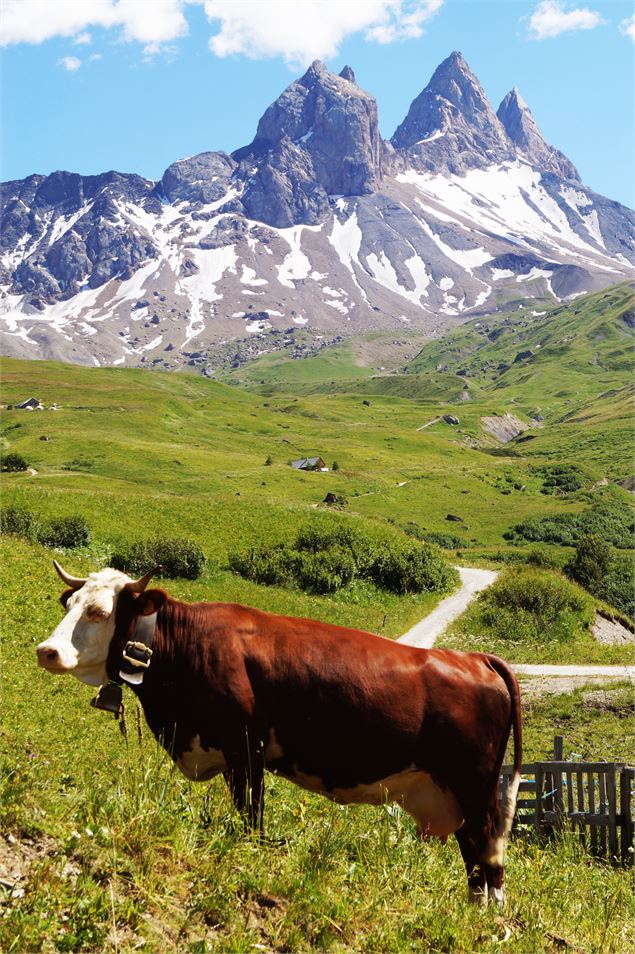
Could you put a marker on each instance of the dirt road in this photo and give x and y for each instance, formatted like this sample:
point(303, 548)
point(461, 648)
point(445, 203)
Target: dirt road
point(425, 633)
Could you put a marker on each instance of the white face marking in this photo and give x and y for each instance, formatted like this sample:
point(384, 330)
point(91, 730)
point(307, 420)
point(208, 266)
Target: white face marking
point(436, 811)
point(199, 764)
point(82, 639)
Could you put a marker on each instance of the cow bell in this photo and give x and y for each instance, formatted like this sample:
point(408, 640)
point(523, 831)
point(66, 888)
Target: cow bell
point(108, 698)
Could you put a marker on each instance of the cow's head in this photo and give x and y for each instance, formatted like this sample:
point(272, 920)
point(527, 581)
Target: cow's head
point(79, 645)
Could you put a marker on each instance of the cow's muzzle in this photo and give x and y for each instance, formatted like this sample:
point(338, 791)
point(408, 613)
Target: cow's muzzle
point(49, 659)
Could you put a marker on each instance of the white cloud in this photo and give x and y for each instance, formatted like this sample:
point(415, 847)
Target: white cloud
point(70, 63)
point(627, 27)
point(297, 30)
point(311, 29)
point(550, 18)
point(146, 21)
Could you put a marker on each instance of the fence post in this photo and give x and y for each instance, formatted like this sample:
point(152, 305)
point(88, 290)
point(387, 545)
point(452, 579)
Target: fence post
point(558, 756)
point(626, 777)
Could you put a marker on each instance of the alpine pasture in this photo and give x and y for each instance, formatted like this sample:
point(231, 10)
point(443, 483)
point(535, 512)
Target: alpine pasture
point(112, 849)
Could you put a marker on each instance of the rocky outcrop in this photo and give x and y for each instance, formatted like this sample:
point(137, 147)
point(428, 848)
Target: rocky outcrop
point(203, 178)
point(520, 126)
point(319, 138)
point(74, 226)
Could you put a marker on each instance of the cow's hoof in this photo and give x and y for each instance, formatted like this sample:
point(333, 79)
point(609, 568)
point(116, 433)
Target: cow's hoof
point(497, 897)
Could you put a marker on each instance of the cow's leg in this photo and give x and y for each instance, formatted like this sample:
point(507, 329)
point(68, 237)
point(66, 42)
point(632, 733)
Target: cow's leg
point(495, 875)
point(472, 846)
point(483, 850)
point(246, 784)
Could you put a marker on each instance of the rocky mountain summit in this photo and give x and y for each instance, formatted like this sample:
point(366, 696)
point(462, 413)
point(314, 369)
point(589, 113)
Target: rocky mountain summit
point(520, 126)
point(318, 225)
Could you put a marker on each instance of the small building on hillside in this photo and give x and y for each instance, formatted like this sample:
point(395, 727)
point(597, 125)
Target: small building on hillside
point(31, 404)
point(309, 463)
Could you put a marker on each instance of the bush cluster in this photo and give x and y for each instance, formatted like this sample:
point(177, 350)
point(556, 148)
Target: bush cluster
point(560, 479)
point(13, 462)
point(448, 541)
point(611, 521)
point(324, 559)
point(528, 603)
point(65, 533)
point(607, 575)
point(177, 557)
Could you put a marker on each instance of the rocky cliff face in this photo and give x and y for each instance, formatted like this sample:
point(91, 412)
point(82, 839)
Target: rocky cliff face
point(318, 225)
point(451, 125)
point(320, 138)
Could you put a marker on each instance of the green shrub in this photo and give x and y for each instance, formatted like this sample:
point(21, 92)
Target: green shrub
point(317, 537)
point(560, 479)
point(272, 566)
point(606, 574)
point(409, 569)
point(529, 603)
point(611, 521)
point(541, 556)
point(326, 572)
point(19, 520)
point(618, 586)
point(591, 563)
point(326, 557)
point(65, 533)
point(13, 462)
point(177, 558)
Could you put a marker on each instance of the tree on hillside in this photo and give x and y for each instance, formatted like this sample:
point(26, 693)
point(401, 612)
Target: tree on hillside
point(591, 563)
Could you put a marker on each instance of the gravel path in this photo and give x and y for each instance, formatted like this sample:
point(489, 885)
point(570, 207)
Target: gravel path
point(607, 672)
point(425, 633)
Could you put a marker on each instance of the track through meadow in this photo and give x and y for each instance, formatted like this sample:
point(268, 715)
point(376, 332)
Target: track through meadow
point(425, 633)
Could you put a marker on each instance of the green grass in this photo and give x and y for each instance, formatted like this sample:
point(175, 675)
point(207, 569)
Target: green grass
point(121, 851)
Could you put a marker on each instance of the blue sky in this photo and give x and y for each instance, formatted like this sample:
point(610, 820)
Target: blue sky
point(132, 85)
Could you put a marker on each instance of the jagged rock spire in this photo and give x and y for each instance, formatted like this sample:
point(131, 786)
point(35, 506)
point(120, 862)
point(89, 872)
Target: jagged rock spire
point(348, 74)
point(451, 124)
point(520, 126)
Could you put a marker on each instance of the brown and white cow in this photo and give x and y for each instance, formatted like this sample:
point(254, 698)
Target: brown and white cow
point(354, 716)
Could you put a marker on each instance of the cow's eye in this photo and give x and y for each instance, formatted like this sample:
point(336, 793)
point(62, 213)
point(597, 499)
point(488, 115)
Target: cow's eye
point(95, 615)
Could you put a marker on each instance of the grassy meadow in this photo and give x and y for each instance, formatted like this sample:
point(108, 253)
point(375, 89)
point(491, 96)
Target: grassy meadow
point(110, 847)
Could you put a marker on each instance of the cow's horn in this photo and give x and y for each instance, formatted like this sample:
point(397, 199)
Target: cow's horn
point(140, 585)
point(75, 582)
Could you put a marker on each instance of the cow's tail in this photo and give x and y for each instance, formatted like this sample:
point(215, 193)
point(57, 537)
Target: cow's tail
point(508, 807)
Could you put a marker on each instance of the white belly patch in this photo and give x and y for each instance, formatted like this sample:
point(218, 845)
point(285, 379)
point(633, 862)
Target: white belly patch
point(199, 764)
point(436, 811)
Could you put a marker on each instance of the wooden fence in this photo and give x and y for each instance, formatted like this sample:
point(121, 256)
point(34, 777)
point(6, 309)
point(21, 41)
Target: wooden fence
point(593, 798)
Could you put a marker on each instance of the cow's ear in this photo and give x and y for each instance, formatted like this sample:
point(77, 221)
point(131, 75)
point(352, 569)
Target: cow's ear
point(151, 602)
point(66, 595)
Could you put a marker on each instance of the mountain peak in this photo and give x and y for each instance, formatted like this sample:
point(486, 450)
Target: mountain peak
point(348, 74)
point(521, 127)
point(322, 129)
point(451, 124)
